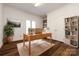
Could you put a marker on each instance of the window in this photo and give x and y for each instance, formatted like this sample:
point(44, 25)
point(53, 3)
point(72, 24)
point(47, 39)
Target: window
point(30, 24)
point(33, 24)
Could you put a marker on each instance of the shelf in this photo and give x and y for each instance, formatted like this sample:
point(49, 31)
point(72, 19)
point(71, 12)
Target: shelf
point(71, 29)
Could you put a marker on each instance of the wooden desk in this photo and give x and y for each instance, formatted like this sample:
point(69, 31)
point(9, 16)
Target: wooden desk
point(35, 37)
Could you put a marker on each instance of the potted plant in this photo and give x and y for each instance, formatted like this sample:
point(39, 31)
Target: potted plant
point(8, 33)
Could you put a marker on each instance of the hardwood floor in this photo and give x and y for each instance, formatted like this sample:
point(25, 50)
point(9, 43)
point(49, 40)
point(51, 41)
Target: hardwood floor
point(60, 49)
point(9, 49)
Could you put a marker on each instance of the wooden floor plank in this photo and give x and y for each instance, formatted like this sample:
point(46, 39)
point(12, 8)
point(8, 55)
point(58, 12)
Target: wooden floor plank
point(60, 49)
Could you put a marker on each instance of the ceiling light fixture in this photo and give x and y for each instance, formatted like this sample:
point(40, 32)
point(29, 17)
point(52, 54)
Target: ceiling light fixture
point(37, 4)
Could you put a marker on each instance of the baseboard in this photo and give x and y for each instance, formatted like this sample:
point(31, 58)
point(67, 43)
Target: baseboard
point(18, 41)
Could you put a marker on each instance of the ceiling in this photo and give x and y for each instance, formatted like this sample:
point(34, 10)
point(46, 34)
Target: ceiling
point(40, 10)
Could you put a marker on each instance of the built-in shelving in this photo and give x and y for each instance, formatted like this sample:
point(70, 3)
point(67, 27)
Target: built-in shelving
point(72, 30)
point(45, 22)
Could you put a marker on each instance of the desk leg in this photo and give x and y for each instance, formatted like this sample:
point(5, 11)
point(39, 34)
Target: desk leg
point(29, 48)
point(51, 39)
point(23, 43)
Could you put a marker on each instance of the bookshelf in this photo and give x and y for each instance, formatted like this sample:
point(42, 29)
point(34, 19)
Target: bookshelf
point(72, 30)
point(45, 22)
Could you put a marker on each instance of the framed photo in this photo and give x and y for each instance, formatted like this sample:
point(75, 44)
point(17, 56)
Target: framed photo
point(14, 23)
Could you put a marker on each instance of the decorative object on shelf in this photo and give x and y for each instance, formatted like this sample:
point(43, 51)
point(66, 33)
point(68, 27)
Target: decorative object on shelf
point(73, 42)
point(46, 30)
point(67, 32)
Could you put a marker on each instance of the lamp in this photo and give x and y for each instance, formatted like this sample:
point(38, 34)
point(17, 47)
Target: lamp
point(37, 4)
point(46, 30)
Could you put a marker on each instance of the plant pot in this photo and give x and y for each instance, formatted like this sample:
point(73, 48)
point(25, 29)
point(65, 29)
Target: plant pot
point(9, 39)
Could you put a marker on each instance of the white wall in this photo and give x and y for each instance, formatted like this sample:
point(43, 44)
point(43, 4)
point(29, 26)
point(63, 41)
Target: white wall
point(56, 20)
point(18, 15)
point(1, 26)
